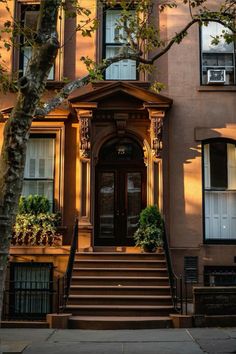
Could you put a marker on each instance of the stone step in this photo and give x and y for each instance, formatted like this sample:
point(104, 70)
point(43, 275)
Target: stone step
point(104, 322)
point(119, 255)
point(143, 272)
point(121, 299)
point(118, 280)
point(120, 263)
point(115, 289)
point(119, 310)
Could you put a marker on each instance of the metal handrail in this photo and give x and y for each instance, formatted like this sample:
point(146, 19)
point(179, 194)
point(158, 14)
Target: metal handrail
point(73, 249)
point(176, 292)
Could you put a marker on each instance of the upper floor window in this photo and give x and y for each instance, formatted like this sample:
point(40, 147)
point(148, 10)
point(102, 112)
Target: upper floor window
point(218, 60)
point(220, 190)
point(29, 16)
point(114, 38)
point(39, 168)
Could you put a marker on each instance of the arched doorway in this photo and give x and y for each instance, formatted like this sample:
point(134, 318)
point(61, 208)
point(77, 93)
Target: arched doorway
point(120, 191)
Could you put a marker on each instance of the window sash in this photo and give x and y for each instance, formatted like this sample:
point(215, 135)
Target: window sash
point(39, 168)
point(220, 203)
point(221, 56)
point(26, 52)
point(124, 69)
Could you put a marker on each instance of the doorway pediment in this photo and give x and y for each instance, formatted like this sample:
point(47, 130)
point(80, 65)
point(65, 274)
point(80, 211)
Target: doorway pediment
point(118, 95)
point(118, 102)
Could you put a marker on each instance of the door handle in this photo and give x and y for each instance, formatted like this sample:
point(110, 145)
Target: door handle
point(117, 212)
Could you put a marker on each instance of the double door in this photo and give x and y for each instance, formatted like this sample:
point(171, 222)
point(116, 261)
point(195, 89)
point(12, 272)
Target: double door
point(120, 197)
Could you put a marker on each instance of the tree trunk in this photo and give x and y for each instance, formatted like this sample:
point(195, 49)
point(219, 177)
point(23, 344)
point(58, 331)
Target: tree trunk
point(17, 128)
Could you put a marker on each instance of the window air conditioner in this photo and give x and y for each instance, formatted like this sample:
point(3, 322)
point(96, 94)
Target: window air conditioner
point(216, 76)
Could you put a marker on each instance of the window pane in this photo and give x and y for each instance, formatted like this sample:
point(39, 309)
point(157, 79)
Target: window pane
point(218, 162)
point(123, 69)
point(40, 158)
point(208, 32)
point(39, 187)
point(134, 182)
point(27, 53)
point(220, 215)
point(106, 205)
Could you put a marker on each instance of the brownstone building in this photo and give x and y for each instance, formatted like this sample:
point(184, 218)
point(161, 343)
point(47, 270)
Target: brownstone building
point(115, 146)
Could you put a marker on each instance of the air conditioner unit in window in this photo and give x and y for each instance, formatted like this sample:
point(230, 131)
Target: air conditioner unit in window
point(216, 76)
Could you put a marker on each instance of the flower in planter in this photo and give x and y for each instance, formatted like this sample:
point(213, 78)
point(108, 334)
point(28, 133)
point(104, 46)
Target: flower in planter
point(35, 224)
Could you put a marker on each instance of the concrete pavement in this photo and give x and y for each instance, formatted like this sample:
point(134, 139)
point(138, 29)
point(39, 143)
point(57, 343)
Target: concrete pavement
point(153, 341)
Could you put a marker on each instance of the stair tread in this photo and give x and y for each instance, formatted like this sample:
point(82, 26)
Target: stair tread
point(121, 260)
point(120, 318)
point(141, 307)
point(121, 296)
point(121, 269)
point(113, 277)
point(118, 253)
point(120, 287)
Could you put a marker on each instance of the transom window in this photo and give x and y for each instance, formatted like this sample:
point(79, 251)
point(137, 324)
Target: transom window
point(218, 61)
point(220, 190)
point(39, 168)
point(113, 41)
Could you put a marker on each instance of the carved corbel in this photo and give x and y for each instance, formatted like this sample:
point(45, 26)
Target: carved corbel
point(84, 117)
point(156, 118)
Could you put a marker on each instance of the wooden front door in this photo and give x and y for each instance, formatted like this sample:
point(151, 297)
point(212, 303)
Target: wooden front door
point(120, 192)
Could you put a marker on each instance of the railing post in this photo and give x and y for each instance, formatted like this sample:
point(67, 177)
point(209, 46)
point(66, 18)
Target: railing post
point(181, 294)
point(186, 296)
point(58, 295)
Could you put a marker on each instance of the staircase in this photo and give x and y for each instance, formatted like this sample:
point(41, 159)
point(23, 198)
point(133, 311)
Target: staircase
point(119, 291)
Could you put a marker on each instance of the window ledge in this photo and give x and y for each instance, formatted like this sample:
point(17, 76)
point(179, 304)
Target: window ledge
point(215, 88)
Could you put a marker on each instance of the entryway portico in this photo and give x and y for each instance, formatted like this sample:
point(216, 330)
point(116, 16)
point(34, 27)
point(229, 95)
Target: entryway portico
point(119, 159)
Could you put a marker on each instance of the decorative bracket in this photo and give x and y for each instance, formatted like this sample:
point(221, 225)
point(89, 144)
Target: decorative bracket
point(85, 134)
point(156, 118)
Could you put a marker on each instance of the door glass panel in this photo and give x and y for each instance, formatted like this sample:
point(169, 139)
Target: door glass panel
point(134, 182)
point(106, 205)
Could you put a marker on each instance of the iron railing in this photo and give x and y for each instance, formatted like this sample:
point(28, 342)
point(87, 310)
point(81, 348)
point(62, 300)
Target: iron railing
point(181, 290)
point(63, 290)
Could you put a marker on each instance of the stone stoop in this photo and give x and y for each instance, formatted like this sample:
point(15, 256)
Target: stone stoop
point(119, 290)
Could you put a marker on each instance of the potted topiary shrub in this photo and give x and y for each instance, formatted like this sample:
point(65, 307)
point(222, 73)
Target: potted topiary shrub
point(149, 235)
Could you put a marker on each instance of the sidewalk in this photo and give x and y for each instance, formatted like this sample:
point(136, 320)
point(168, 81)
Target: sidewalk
point(153, 341)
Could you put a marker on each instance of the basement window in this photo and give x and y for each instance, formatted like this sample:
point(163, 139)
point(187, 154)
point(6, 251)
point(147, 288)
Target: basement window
point(219, 276)
point(191, 269)
point(31, 290)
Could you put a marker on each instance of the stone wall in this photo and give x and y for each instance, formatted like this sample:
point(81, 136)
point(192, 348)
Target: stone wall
point(214, 300)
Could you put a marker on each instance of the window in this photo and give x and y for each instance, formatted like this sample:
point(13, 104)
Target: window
point(219, 276)
point(218, 61)
point(220, 190)
point(191, 269)
point(29, 17)
point(31, 290)
point(124, 69)
point(39, 168)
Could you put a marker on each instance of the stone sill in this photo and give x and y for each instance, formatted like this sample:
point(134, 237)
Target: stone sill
point(39, 250)
point(216, 88)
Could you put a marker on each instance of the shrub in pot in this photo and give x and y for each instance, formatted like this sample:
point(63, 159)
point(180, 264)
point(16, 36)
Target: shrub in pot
point(149, 235)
